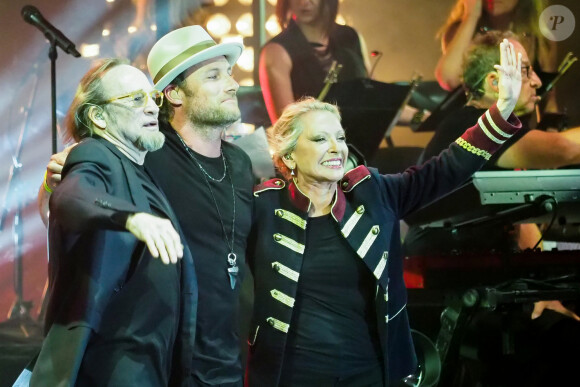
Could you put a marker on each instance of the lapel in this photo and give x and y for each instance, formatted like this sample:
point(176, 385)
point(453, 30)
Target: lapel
point(136, 191)
point(368, 234)
point(359, 217)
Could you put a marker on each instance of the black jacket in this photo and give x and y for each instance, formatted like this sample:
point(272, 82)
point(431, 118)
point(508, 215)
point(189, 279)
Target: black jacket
point(90, 258)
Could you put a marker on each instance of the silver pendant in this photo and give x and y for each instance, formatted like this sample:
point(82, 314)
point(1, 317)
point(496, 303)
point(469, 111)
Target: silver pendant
point(233, 269)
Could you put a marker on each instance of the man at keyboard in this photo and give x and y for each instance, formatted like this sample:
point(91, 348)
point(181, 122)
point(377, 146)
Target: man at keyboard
point(528, 149)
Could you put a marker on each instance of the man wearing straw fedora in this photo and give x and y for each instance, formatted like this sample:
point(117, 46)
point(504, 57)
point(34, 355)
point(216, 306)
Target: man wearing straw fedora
point(208, 183)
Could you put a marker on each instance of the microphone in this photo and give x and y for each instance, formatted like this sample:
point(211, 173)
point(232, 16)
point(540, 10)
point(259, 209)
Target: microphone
point(378, 55)
point(32, 15)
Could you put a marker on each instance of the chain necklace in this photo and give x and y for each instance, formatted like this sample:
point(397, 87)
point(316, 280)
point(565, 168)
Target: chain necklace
point(233, 268)
point(201, 167)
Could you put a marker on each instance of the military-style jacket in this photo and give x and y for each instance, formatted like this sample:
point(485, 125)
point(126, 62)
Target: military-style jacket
point(367, 208)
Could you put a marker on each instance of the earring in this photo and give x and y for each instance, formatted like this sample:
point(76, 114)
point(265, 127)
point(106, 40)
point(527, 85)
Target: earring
point(292, 171)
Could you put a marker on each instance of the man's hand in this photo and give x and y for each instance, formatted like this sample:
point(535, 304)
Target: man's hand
point(556, 306)
point(510, 78)
point(158, 234)
point(54, 167)
point(51, 180)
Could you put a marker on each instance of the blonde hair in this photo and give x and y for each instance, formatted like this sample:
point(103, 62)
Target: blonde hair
point(288, 129)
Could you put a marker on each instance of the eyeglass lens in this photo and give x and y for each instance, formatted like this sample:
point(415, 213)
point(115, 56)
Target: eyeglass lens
point(140, 98)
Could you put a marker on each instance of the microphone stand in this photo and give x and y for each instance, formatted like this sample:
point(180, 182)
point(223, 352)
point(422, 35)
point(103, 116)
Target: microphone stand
point(19, 312)
point(52, 55)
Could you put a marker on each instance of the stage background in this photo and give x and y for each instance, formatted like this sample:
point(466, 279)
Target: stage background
point(404, 31)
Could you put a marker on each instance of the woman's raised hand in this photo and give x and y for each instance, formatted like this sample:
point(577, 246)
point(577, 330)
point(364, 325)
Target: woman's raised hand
point(510, 78)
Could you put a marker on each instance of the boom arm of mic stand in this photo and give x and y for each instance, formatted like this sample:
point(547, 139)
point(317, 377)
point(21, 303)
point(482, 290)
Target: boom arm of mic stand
point(414, 83)
point(491, 298)
point(568, 61)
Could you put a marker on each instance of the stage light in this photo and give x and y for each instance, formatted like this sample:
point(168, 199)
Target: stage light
point(244, 25)
point(132, 29)
point(340, 20)
point(218, 25)
point(246, 61)
point(272, 26)
point(220, 3)
point(246, 82)
point(153, 27)
point(110, 1)
point(106, 32)
point(232, 38)
point(247, 128)
point(272, 2)
point(245, 2)
point(90, 50)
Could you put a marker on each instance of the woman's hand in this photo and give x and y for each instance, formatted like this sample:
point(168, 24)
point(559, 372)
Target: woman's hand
point(510, 78)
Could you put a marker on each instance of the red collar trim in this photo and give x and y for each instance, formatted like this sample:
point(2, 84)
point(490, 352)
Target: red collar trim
point(298, 199)
point(268, 185)
point(302, 202)
point(353, 177)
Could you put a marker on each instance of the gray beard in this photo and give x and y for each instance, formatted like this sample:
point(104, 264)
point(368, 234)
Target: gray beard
point(151, 141)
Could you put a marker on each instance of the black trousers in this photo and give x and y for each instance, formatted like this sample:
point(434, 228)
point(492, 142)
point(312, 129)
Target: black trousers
point(370, 378)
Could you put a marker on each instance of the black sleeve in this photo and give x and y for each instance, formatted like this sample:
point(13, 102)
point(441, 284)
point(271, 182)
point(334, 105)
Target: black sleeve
point(84, 199)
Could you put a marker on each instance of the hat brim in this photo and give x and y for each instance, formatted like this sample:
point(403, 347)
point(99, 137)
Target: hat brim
point(231, 50)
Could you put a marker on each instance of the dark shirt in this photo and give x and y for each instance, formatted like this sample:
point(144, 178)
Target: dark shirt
point(216, 358)
point(309, 69)
point(333, 330)
point(145, 311)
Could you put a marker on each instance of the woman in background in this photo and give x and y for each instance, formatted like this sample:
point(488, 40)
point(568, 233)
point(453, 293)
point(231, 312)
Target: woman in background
point(295, 63)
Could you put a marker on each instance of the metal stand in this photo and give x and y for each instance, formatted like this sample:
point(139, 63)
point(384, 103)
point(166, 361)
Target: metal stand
point(52, 55)
point(19, 315)
point(456, 318)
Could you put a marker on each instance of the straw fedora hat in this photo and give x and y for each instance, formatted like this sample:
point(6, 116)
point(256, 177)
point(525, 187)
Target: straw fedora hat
point(185, 47)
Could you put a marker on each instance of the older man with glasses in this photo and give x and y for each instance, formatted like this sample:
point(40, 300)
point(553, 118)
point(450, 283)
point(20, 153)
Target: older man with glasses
point(116, 314)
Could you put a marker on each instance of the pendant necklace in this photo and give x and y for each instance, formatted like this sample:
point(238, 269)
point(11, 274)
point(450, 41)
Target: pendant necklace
point(233, 268)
